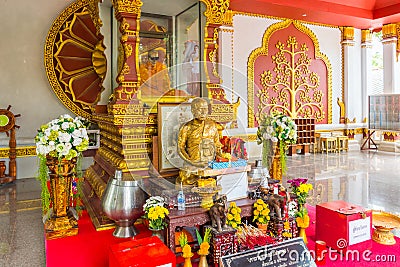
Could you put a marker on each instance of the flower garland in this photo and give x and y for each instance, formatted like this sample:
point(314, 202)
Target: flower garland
point(233, 216)
point(301, 189)
point(276, 127)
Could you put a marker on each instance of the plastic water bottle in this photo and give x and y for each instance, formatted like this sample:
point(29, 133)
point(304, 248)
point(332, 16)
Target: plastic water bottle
point(181, 199)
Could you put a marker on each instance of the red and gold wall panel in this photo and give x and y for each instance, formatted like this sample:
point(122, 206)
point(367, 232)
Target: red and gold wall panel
point(289, 74)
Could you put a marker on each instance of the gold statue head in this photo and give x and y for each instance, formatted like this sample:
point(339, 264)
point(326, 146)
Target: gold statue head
point(199, 108)
point(153, 56)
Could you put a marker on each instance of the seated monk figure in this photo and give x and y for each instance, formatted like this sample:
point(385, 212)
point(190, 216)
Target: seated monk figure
point(154, 76)
point(198, 141)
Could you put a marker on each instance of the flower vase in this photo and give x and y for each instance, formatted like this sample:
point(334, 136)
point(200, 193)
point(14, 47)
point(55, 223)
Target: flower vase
point(159, 233)
point(263, 227)
point(203, 260)
point(62, 221)
point(275, 170)
point(302, 233)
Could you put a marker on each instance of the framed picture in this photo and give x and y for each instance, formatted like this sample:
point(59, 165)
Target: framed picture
point(170, 118)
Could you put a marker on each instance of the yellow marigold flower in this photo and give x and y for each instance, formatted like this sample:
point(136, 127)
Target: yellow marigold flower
point(234, 225)
point(264, 212)
point(256, 212)
point(233, 205)
point(239, 210)
point(234, 211)
point(260, 201)
point(286, 225)
point(237, 217)
point(259, 208)
point(229, 216)
point(261, 220)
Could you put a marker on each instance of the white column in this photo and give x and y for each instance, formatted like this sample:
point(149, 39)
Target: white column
point(390, 65)
point(349, 88)
point(366, 70)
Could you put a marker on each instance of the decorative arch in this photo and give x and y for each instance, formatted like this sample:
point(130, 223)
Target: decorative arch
point(74, 57)
point(289, 73)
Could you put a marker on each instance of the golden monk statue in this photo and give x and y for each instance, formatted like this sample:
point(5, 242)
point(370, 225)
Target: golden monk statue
point(160, 83)
point(198, 142)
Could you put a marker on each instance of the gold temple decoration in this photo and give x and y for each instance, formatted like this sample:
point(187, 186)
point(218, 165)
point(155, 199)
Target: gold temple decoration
point(348, 33)
point(292, 80)
point(366, 36)
point(384, 222)
point(215, 17)
point(74, 57)
point(24, 151)
point(389, 31)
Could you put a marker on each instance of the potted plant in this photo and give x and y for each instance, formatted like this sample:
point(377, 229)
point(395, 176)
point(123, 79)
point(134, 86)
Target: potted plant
point(59, 144)
point(261, 214)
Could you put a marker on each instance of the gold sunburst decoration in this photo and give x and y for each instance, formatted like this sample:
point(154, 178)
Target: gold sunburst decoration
point(74, 57)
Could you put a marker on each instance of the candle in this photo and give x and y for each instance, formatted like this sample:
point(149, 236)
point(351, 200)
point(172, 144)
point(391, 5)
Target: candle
point(320, 252)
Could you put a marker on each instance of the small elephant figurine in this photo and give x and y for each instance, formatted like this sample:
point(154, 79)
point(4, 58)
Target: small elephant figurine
point(218, 213)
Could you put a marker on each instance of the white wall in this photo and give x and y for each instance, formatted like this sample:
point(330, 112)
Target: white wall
point(23, 83)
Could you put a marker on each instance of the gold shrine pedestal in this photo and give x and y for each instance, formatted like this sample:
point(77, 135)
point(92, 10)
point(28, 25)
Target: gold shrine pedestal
point(384, 223)
point(61, 222)
point(275, 171)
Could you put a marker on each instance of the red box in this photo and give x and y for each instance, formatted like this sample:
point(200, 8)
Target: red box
point(145, 252)
point(343, 226)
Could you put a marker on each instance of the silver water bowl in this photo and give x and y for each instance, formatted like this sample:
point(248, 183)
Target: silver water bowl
point(122, 202)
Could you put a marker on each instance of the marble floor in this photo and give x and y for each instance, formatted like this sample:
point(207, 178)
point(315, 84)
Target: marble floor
point(368, 178)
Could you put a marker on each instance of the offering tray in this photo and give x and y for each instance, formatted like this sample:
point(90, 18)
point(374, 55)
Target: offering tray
point(207, 194)
point(384, 223)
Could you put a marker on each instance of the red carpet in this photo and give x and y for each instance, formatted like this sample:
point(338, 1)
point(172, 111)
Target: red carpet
point(89, 248)
point(379, 255)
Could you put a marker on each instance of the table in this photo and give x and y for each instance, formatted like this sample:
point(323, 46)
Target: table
point(196, 216)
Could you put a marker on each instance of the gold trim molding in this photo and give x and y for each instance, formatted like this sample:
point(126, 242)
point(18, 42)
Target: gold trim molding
point(22, 152)
point(347, 33)
point(389, 31)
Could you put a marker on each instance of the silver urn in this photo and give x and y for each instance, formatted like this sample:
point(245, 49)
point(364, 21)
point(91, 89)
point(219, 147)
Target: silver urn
point(122, 202)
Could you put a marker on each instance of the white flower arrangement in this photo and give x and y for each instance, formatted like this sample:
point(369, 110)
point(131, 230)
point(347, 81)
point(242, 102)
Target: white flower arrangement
point(152, 202)
point(276, 127)
point(64, 137)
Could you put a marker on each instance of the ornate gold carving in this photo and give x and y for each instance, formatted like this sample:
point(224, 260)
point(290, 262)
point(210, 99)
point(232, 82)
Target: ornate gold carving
point(65, 82)
point(347, 120)
point(97, 184)
point(389, 31)
point(358, 131)
point(227, 18)
point(127, 6)
point(215, 10)
point(347, 33)
point(366, 36)
point(25, 151)
point(278, 58)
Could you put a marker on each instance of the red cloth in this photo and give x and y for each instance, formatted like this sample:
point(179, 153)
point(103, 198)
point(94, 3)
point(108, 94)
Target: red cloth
point(378, 255)
point(89, 248)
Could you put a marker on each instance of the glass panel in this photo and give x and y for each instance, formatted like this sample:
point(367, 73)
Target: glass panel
point(154, 55)
point(189, 47)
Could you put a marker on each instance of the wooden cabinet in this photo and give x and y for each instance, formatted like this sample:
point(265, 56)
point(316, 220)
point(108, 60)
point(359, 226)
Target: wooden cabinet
point(305, 136)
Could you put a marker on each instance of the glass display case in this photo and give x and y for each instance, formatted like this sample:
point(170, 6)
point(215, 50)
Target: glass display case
point(384, 112)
